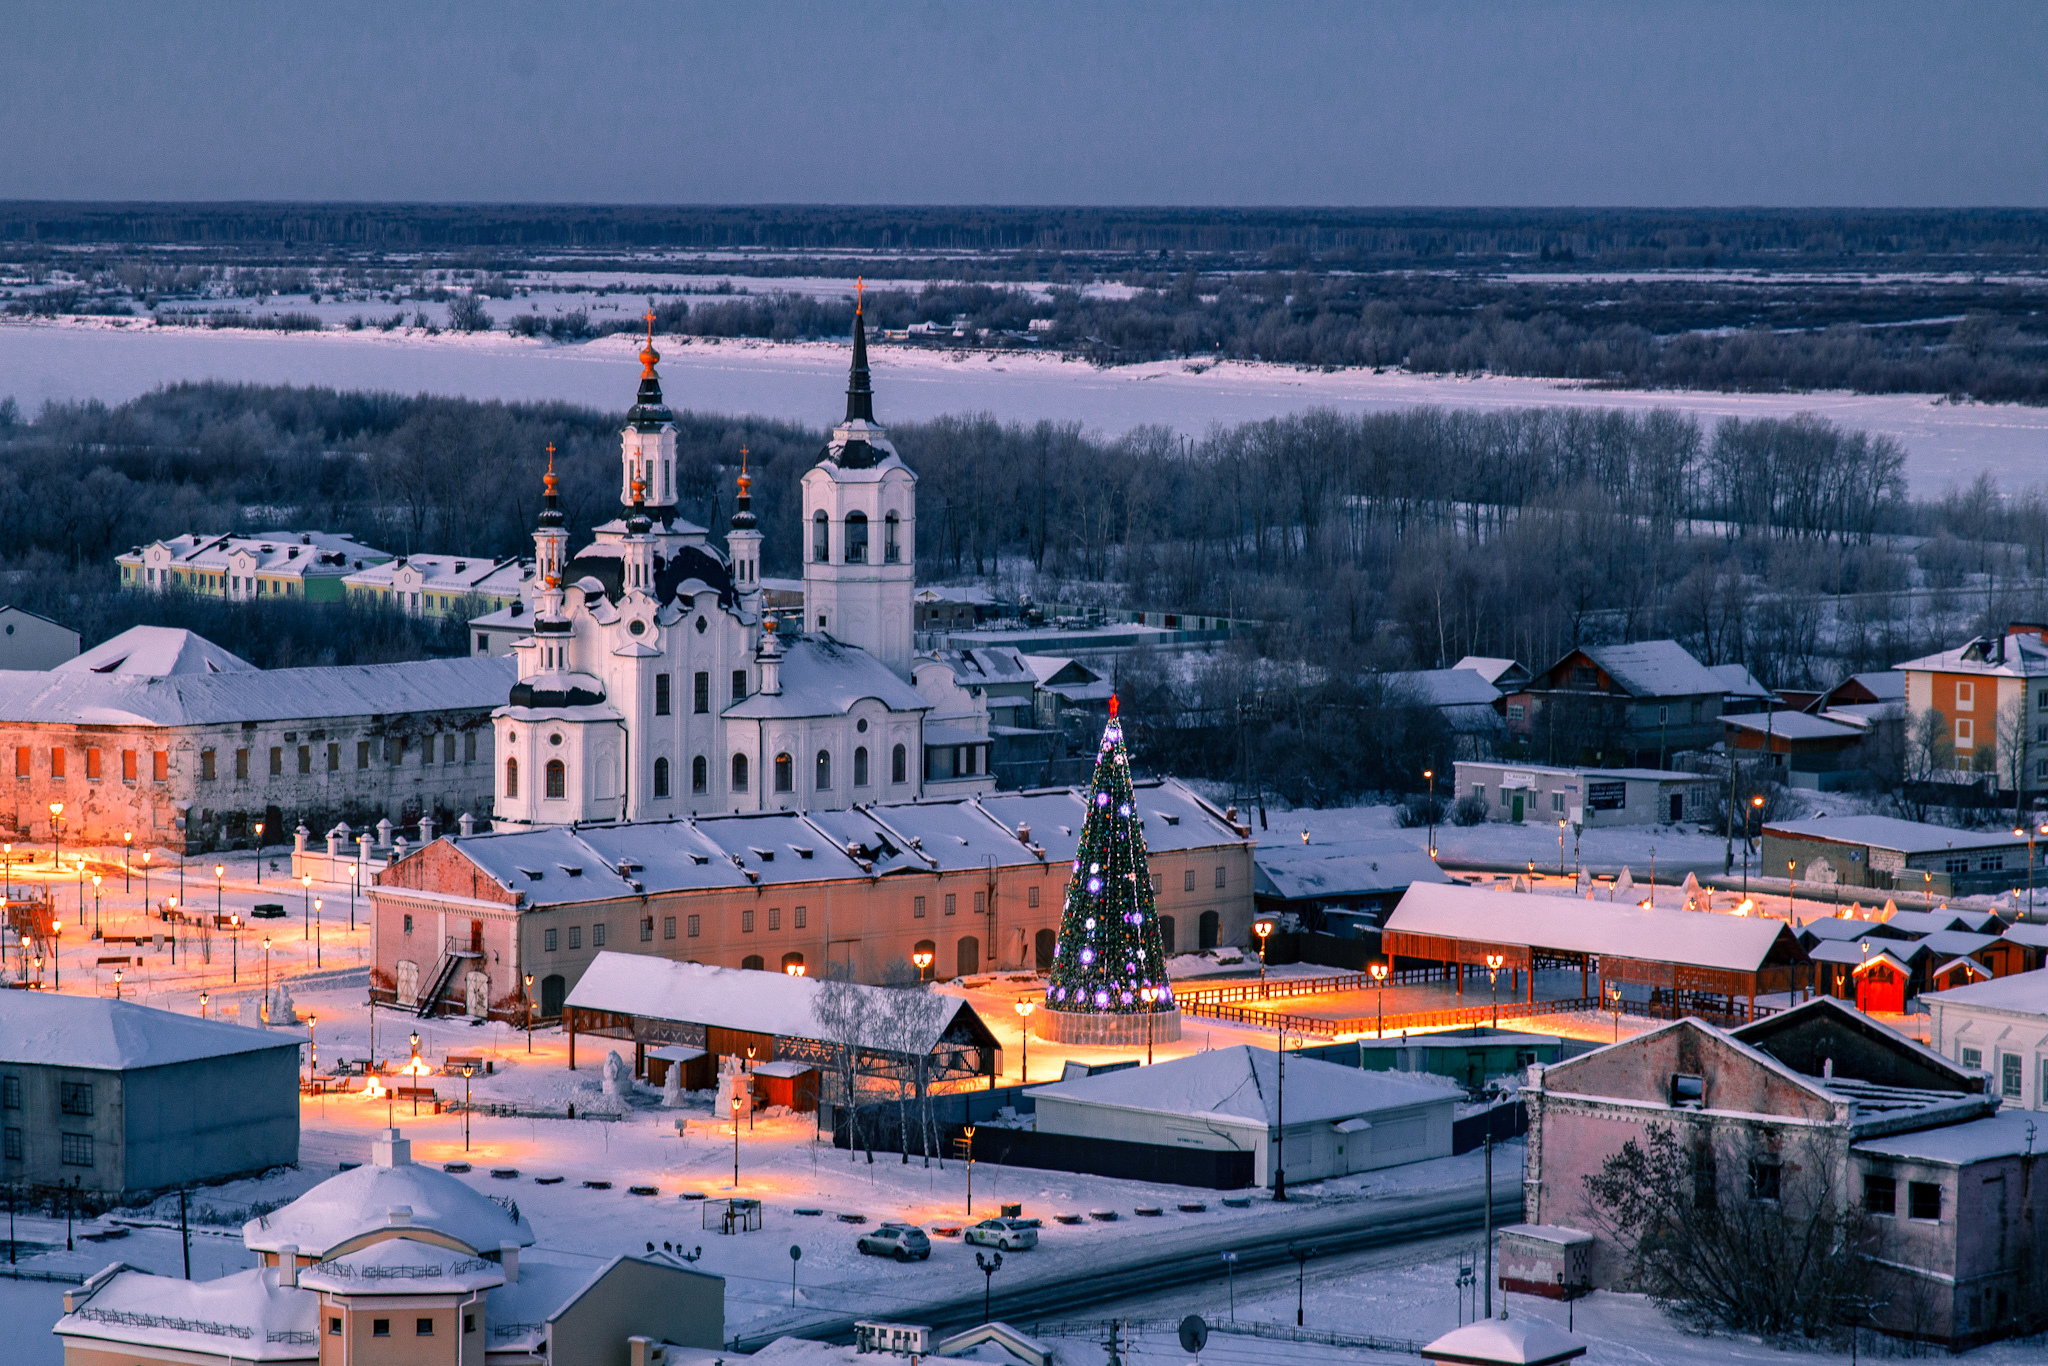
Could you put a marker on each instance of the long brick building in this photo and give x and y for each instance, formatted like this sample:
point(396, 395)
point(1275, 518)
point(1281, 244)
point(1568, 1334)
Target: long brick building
point(977, 883)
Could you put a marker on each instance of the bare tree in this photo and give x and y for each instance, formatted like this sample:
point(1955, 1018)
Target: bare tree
point(1929, 757)
point(841, 1011)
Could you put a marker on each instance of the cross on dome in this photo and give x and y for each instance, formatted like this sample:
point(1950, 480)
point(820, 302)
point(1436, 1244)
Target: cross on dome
point(648, 355)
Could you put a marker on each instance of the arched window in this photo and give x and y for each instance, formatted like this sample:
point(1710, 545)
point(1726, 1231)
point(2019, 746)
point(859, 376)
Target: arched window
point(891, 551)
point(785, 774)
point(661, 777)
point(558, 779)
point(700, 774)
point(793, 960)
point(739, 773)
point(821, 537)
point(967, 955)
point(752, 963)
point(860, 767)
point(824, 769)
point(511, 777)
point(856, 538)
point(899, 763)
point(1042, 946)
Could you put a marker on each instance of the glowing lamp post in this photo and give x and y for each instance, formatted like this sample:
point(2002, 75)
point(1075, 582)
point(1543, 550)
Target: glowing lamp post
point(1494, 961)
point(1262, 928)
point(416, 1069)
point(316, 929)
point(117, 984)
point(95, 903)
point(468, 1071)
point(529, 1012)
point(127, 852)
point(1430, 775)
point(145, 879)
point(793, 969)
point(57, 955)
point(56, 835)
point(202, 1004)
point(1024, 1009)
point(1379, 978)
point(735, 1138)
point(234, 946)
point(1150, 994)
point(968, 1132)
point(259, 853)
point(220, 875)
point(923, 959)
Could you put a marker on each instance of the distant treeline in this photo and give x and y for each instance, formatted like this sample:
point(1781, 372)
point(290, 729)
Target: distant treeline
point(1968, 239)
point(1361, 543)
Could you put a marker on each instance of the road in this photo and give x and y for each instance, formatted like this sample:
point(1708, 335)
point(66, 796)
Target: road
point(1420, 1222)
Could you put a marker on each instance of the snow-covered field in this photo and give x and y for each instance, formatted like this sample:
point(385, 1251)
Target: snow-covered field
point(117, 359)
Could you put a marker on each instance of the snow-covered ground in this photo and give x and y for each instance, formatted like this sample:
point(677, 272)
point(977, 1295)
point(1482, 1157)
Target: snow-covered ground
point(116, 359)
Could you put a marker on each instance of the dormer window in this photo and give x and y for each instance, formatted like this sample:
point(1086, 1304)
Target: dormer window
point(1688, 1092)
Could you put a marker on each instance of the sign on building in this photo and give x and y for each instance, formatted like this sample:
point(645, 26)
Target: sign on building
point(1607, 796)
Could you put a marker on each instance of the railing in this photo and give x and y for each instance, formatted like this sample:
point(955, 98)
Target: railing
point(1412, 1019)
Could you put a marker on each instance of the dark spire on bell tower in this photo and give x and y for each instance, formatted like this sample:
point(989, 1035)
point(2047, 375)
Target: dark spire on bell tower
point(649, 412)
point(550, 501)
point(860, 398)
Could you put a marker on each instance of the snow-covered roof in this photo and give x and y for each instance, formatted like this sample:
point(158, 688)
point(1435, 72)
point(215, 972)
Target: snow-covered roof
point(65, 697)
point(1654, 668)
point(1242, 1082)
point(88, 1031)
point(1957, 943)
point(2019, 993)
point(754, 1002)
point(425, 1268)
point(364, 1199)
point(1445, 687)
point(1852, 952)
point(156, 652)
point(2009, 1133)
point(987, 665)
point(1506, 1341)
point(1889, 832)
point(1298, 872)
point(1738, 681)
point(2014, 656)
point(245, 1316)
point(293, 554)
point(2027, 936)
point(1941, 918)
point(459, 575)
point(1728, 942)
point(1549, 1233)
point(1794, 725)
point(1640, 775)
point(821, 676)
point(1487, 666)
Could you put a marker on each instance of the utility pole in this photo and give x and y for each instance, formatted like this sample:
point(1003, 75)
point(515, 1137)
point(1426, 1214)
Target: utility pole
point(185, 1234)
point(1280, 1107)
point(1489, 1222)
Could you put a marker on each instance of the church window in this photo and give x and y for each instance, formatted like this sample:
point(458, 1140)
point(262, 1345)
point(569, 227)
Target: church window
point(952, 903)
point(701, 701)
point(128, 766)
point(917, 907)
point(801, 916)
point(206, 765)
point(661, 777)
point(21, 761)
point(739, 773)
point(448, 748)
point(469, 747)
point(334, 758)
point(775, 917)
point(746, 922)
point(362, 754)
point(860, 766)
point(241, 764)
point(661, 694)
point(1031, 897)
point(785, 773)
point(696, 926)
point(899, 763)
point(821, 538)
point(277, 761)
point(891, 552)
point(305, 758)
point(575, 936)
point(668, 927)
point(856, 538)
point(92, 764)
point(597, 936)
point(824, 769)
point(558, 779)
point(699, 774)
point(739, 685)
point(511, 777)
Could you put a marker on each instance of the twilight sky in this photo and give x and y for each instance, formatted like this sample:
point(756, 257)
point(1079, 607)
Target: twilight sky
point(1572, 102)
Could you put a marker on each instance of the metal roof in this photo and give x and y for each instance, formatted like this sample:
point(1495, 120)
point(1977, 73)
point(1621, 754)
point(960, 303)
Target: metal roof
point(86, 1031)
point(821, 676)
point(1692, 938)
point(1889, 832)
point(67, 697)
point(156, 652)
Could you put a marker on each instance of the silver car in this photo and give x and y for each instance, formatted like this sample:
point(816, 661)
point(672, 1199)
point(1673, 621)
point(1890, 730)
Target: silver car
point(904, 1242)
point(1011, 1235)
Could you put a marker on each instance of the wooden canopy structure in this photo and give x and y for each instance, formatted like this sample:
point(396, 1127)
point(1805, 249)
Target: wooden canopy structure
point(1697, 961)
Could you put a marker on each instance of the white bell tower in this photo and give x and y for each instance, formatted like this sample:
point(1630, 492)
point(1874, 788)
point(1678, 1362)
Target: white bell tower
point(860, 530)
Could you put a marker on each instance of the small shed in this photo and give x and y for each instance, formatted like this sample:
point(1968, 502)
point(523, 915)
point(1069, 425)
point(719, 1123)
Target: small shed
point(790, 1084)
point(1505, 1342)
point(1545, 1259)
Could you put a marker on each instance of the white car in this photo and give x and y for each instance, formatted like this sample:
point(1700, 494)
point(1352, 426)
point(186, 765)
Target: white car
point(1011, 1235)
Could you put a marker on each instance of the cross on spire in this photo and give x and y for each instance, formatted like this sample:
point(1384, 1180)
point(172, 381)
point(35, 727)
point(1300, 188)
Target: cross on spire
point(859, 293)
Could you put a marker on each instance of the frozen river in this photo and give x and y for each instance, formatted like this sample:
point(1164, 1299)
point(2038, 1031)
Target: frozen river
point(40, 361)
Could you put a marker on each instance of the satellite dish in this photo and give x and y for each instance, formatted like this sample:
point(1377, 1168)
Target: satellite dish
point(1194, 1333)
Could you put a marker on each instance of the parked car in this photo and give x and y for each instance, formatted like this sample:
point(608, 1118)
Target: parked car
point(1010, 1235)
point(901, 1241)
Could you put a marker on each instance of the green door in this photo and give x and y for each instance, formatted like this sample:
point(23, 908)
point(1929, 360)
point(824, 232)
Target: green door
point(1518, 807)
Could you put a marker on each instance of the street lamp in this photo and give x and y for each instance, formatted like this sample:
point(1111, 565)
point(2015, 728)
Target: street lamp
point(57, 955)
point(1024, 1009)
point(1756, 806)
point(411, 1067)
point(529, 1012)
point(1493, 966)
point(235, 946)
point(306, 882)
point(1379, 977)
point(735, 1136)
point(923, 959)
point(56, 835)
point(312, 1051)
point(259, 853)
point(1262, 928)
point(793, 969)
point(968, 1132)
point(220, 873)
point(266, 982)
point(1430, 838)
point(127, 852)
point(988, 1278)
point(202, 1004)
point(1560, 846)
point(95, 903)
point(468, 1071)
point(145, 879)
point(1614, 1000)
point(318, 901)
point(117, 984)
point(1791, 888)
point(1149, 994)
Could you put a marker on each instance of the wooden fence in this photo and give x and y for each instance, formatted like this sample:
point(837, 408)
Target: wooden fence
point(1393, 1023)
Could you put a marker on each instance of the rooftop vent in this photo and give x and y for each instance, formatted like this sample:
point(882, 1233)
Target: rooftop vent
point(461, 565)
point(305, 538)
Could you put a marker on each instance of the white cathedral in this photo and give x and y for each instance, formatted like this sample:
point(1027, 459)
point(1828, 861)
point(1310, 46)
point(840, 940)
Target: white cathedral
point(652, 685)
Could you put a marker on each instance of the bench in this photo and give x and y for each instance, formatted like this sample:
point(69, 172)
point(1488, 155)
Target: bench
point(118, 960)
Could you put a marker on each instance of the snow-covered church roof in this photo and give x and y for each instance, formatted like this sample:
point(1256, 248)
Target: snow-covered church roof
point(390, 1192)
point(826, 677)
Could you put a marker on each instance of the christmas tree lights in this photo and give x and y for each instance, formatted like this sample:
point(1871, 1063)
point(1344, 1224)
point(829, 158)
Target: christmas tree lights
point(1109, 957)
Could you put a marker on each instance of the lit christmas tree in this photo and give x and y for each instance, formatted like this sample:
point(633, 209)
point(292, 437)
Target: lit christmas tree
point(1108, 981)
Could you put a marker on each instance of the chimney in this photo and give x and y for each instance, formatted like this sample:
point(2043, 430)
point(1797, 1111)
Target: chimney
point(508, 1260)
point(388, 1149)
point(398, 1216)
point(1024, 834)
point(467, 823)
point(288, 1266)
